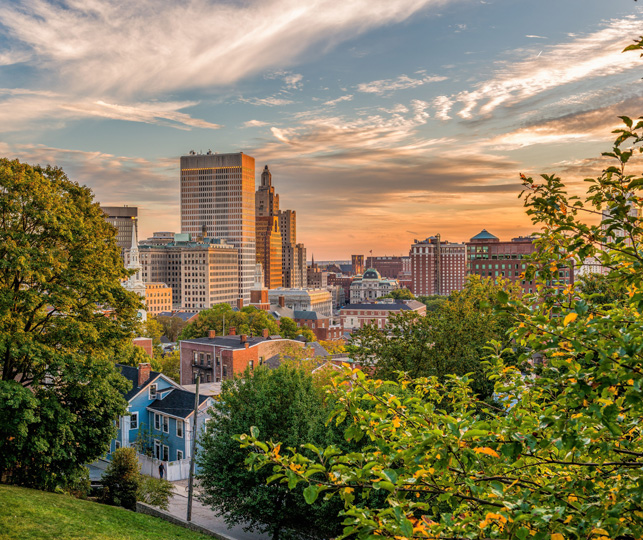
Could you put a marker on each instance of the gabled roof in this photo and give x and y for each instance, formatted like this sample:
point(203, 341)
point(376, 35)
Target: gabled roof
point(131, 374)
point(308, 315)
point(178, 402)
point(183, 315)
point(319, 350)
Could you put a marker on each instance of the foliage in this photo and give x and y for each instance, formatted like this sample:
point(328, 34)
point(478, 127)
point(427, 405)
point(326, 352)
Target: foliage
point(27, 514)
point(172, 326)
point(170, 364)
point(286, 406)
point(400, 294)
point(334, 347)
point(288, 328)
point(599, 290)
point(155, 491)
point(145, 437)
point(451, 340)
point(249, 320)
point(122, 478)
point(151, 328)
point(432, 302)
point(58, 262)
point(563, 456)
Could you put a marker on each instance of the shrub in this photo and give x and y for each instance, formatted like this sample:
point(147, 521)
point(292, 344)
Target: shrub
point(122, 479)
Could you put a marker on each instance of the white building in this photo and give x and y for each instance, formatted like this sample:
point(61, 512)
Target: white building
point(370, 286)
point(319, 300)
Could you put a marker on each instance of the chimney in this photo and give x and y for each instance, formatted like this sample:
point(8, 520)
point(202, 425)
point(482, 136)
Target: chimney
point(233, 331)
point(282, 301)
point(265, 333)
point(212, 334)
point(240, 303)
point(243, 338)
point(144, 371)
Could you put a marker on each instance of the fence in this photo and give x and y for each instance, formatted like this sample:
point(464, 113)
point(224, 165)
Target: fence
point(174, 470)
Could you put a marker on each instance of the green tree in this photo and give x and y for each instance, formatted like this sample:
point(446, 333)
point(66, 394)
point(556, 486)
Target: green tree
point(249, 320)
point(155, 491)
point(151, 328)
point(450, 340)
point(563, 455)
point(122, 479)
point(400, 294)
point(59, 264)
point(288, 328)
point(432, 302)
point(172, 326)
point(285, 405)
point(170, 365)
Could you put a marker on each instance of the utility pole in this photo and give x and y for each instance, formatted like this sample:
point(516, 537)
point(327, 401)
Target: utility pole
point(194, 434)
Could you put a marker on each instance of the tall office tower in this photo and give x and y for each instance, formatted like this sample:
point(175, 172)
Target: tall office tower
point(268, 235)
point(291, 263)
point(437, 267)
point(124, 218)
point(218, 201)
point(357, 264)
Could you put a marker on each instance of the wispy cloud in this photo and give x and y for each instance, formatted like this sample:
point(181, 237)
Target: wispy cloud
point(584, 57)
point(386, 86)
point(271, 101)
point(334, 102)
point(532, 36)
point(255, 123)
point(101, 46)
point(23, 108)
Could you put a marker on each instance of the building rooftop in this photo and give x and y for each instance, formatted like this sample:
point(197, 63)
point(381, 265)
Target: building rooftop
point(131, 374)
point(411, 305)
point(484, 234)
point(177, 403)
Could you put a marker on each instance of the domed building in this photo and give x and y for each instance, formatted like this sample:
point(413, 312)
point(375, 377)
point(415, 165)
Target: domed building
point(370, 286)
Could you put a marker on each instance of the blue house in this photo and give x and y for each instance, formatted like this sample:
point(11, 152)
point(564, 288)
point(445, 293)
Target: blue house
point(160, 422)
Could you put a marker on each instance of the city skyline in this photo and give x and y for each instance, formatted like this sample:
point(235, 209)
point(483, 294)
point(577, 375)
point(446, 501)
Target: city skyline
point(382, 122)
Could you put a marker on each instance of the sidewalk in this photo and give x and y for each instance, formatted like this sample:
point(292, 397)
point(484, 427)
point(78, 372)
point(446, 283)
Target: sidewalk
point(204, 516)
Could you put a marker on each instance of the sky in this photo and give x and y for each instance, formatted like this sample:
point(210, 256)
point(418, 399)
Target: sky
point(382, 121)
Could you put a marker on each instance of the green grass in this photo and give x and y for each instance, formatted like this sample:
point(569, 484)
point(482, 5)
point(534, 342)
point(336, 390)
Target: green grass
point(28, 514)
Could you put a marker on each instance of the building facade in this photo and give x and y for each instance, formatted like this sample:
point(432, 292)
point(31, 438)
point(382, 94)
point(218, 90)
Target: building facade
point(158, 298)
point(200, 274)
point(488, 257)
point(319, 300)
point(218, 201)
point(357, 264)
point(268, 232)
point(356, 316)
point(437, 267)
point(293, 254)
point(370, 286)
point(387, 266)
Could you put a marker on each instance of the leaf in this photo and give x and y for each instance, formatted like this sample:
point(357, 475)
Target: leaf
point(557, 536)
point(571, 317)
point(312, 492)
point(486, 450)
point(503, 297)
point(254, 431)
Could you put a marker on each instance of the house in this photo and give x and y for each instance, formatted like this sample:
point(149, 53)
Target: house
point(160, 421)
point(355, 316)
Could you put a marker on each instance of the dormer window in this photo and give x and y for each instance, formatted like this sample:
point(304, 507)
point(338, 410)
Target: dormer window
point(152, 391)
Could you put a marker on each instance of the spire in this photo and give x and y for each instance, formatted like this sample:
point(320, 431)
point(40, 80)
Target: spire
point(266, 177)
point(133, 252)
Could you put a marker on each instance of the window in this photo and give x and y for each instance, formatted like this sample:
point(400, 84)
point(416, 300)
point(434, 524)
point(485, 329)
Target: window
point(157, 422)
point(179, 454)
point(134, 421)
point(166, 453)
point(157, 449)
point(251, 364)
point(179, 428)
point(117, 445)
point(152, 391)
point(166, 424)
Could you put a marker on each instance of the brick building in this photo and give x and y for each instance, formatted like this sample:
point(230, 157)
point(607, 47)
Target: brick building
point(343, 281)
point(487, 256)
point(437, 267)
point(355, 316)
point(388, 267)
point(221, 358)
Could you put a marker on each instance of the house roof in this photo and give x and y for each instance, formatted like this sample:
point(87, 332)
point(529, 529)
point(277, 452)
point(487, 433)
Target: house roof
point(308, 315)
point(177, 403)
point(383, 307)
point(131, 374)
point(183, 315)
point(231, 342)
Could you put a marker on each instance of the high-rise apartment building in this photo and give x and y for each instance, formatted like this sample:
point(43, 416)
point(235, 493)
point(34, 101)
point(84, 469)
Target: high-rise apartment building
point(268, 234)
point(218, 201)
point(437, 267)
point(124, 218)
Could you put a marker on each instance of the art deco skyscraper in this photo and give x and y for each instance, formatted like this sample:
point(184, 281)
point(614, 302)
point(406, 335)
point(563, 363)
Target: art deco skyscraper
point(218, 201)
point(268, 232)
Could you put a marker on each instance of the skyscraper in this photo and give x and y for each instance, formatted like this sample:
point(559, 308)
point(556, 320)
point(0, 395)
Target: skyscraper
point(268, 234)
point(124, 218)
point(218, 201)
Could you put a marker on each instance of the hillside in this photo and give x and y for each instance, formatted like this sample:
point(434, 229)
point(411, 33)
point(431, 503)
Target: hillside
point(27, 514)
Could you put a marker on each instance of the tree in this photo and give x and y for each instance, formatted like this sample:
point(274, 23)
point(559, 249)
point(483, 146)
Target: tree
point(450, 340)
point(563, 455)
point(122, 478)
point(151, 328)
point(288, 328)
point(432, 302)
point(58, 264)
point(285, 405)
point(170, 364)
point(400, 294)
point(334, 347)
point(172, 326)
point(249, 320)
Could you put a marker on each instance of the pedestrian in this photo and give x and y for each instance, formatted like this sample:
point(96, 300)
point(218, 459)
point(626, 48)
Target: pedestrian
point(161, 470)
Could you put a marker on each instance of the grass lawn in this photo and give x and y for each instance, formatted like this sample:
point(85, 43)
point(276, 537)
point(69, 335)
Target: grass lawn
point(28, 514)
